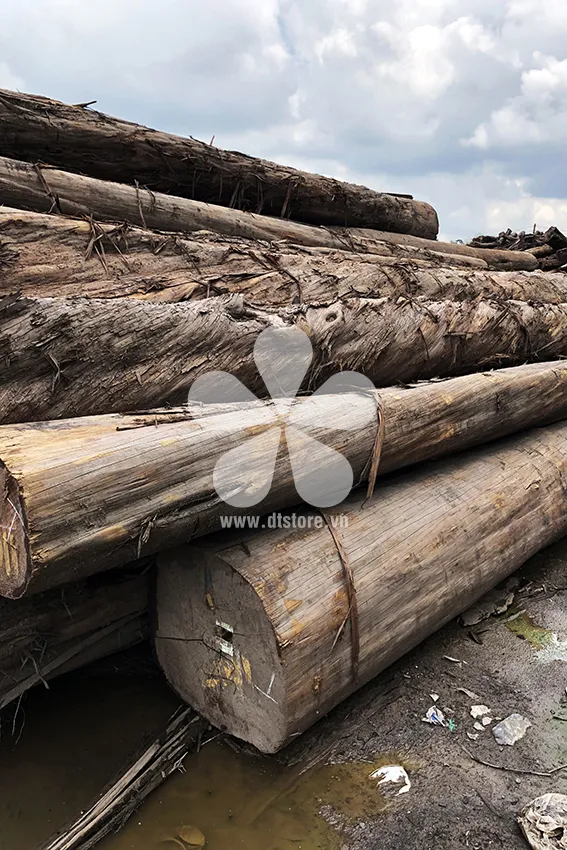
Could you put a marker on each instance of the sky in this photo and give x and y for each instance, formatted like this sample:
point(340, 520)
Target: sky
point(462, 103)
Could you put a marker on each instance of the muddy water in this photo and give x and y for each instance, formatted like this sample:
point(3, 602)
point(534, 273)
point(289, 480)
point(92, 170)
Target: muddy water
point(72, 739)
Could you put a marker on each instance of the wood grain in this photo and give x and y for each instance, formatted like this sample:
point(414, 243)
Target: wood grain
point(253, 628)
point(83, 495)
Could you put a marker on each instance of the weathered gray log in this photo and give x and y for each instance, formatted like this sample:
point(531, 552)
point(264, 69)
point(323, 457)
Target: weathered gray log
point(76, 357)
point(61, 630)
point(47, 190)
point(54, 256)
point(84, 495)
point(38, 129)
point(265, 632)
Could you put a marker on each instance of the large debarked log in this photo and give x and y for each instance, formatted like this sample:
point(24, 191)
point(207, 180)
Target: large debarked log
point(76, 357)
point(38, 129)
point(83, 495)
point(61, 630)
point(54, 256)
point(46, 190)
point(265, 632)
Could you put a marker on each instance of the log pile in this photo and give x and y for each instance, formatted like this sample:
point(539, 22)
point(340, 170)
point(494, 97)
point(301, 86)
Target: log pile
point(549, 248)
point(133, 264)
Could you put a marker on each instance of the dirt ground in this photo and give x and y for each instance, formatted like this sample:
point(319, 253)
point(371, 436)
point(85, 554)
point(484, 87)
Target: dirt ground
point(512, 666)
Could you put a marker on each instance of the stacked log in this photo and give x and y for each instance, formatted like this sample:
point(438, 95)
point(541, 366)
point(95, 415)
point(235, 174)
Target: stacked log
point(264, 632)
point(88, 494)
point(133, 263)
point(69, 357)
point(81, 140)
point(49, 190)
point(50, 256)
point(50, 634)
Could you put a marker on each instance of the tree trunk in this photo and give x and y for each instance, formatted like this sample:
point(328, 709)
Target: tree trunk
point(50, 256)
point(41, 130)
point(85, 495)
point(265, 632)
point(50, 634)
point(75, 357)
point(47, 190)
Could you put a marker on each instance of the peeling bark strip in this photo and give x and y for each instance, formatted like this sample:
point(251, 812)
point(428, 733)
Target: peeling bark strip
point(84, 495)
point(48, 190)
point(38, 129)
point(54, 256)
point(64, 629)
point(426, 547)
point(145, 772)
point(76, 357)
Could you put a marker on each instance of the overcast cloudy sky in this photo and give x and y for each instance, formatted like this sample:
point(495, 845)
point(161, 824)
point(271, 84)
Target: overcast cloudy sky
point(463, 103)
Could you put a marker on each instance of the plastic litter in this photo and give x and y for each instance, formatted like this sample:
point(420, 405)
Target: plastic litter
point(511, 730)
point(393, 774)
point(479, 727)
point(435, 716)
point(544, 822)
point(434, 697)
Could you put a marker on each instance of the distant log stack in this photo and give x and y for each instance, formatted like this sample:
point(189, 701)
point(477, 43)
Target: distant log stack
point(139, 484)
point(38, 129)
point(265, 632)
point(549, 248)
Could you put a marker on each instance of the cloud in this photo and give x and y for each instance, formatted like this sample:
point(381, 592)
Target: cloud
point(461, 102)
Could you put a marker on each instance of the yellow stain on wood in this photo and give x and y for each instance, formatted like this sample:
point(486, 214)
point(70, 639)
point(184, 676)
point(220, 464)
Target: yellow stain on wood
point(246, 669)
point(226, 672)
point(499, 502)
point(448, 432)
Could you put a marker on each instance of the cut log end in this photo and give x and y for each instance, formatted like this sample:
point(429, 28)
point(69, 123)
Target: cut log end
point(233, 673)
point(14, 551)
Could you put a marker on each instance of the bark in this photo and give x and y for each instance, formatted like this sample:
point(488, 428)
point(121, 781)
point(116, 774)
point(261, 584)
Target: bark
point(265, 632)
point(85, 495)
point(146, 772)
point(41, 130)
point(76, 357)
point(47, 190)
point(53, 633)
point(50, 256)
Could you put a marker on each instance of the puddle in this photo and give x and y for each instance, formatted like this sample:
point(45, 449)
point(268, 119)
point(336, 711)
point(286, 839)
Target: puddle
point(525, 628)
point(79, 734)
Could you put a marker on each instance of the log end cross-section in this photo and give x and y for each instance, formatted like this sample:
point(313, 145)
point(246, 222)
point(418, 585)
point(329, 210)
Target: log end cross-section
point(14, 549)
point(218, 677)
